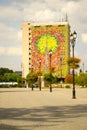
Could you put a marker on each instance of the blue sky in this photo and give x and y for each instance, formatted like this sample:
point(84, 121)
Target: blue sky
point(14, 12)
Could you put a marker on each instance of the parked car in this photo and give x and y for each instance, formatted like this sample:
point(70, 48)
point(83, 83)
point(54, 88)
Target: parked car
point(35, 85)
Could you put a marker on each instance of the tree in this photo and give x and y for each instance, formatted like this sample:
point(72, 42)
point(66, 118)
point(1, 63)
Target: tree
point(81, 79)
point(73, 62)
point(32, 77)
point(13, 77)
point(69, 78)
point(3, 78)
point(4, 71)
point(50, 78)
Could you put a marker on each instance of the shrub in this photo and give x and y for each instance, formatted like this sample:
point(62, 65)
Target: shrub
point(69, 78)
point(32, 77)
point(67, 86)
point(50, 78)
point(81, 79)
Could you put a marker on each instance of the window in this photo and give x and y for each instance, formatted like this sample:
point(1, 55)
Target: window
point(29, 33)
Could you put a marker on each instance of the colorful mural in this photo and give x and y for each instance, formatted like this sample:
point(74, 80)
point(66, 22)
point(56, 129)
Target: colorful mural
point(54, 37)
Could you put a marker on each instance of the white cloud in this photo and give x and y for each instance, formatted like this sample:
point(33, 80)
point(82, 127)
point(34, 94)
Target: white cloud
point(9, 13)
point(45, 15)
point(10, 51)
point(30, 12)
point(77, 11)
point(9, 35)
point(20, 35)
point(84, 38)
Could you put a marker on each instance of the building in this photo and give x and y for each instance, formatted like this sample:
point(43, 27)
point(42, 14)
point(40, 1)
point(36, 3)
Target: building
point(38, 39)
point(19, 73)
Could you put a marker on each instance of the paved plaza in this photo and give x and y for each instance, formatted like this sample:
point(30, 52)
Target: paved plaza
point(23, 109)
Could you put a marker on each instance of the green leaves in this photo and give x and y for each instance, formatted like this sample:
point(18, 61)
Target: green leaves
point(50, 78)
point(73, 62)
point(4, 71)
point(7, 75)
point(32, 77)
point(81, 79)
point(69, 78)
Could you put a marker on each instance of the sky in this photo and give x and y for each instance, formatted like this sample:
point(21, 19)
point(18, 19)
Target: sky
point(14, 12)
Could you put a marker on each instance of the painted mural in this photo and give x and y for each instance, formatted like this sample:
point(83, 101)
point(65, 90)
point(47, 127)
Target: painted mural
point(54, 37)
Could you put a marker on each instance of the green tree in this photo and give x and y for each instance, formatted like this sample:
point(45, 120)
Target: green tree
point(32, 77)
point(50, 78)
point(73, 62)
point(1, 78)
point(4, 71)
point(13, 77)
point(81, 80)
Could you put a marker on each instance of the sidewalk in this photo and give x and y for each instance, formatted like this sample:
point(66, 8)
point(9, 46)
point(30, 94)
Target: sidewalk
point(23, 109)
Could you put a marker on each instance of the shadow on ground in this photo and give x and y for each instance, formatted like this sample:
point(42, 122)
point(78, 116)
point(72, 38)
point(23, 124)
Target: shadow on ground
point(45, 116)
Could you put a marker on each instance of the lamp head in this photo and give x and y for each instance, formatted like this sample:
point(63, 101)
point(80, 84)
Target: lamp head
point(74, 35)
point(50, 52)
point(71, 36)
point(39, 60)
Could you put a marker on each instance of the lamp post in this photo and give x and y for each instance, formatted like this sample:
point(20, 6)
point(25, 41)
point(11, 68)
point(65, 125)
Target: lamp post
point(83, 67)
point(61, 70)
point(40, 65)
point(40, 75)
point(73, 37)
point(50, 54)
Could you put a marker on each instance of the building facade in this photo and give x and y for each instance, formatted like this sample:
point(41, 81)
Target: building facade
point(38, 39)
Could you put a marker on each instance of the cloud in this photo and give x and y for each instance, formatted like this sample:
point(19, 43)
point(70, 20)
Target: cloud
point(10, 51)
point(30, 12)
point(9, 35)
point(84, 38)
point(10, 13)
point(77, 12)
point(19, 35)
point(46, 15)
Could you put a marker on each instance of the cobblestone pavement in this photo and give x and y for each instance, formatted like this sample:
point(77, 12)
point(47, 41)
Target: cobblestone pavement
point(23, 109)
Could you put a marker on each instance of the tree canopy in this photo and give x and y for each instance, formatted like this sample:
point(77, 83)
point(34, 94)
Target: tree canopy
point(73, 62)
point(7, 75)
point(4, 71)
point(32, 77)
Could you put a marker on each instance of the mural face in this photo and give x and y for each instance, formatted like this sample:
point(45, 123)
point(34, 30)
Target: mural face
point(54, 37)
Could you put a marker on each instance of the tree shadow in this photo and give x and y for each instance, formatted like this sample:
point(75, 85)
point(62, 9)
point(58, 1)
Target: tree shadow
point(7, 127)
point(43, 116)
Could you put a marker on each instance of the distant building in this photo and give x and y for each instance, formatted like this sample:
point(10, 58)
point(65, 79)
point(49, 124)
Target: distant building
point(38, 39)
point(19, 73)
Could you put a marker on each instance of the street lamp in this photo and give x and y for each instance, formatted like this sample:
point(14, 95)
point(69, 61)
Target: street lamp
point(50, 54)
point(40, 65)
point(40, 74)
point(73, 37)
point(61, 70)
point(83, 67)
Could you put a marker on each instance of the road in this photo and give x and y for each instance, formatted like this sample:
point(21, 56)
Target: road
point(23, 109)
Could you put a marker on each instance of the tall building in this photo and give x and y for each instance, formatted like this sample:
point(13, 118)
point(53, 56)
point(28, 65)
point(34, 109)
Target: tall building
point(38, 39)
